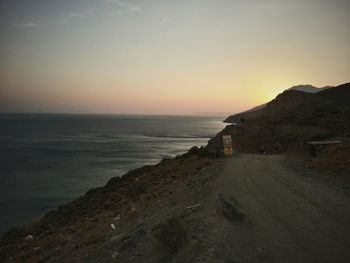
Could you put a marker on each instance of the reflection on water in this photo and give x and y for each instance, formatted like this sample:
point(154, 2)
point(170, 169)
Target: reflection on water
point(47, 160)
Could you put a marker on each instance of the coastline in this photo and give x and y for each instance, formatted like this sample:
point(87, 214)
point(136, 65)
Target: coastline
point(180, 210)
point(275, 206)
point(120, 196)
point(51, 161)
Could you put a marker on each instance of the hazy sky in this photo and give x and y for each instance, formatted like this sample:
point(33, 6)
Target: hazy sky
point(166, 56)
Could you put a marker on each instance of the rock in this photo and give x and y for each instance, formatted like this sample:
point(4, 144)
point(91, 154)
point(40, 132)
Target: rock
point(119, 238)
point(192, 206)
point(231, 210)
point(115, 254)
point(29, 237)
point(171, 234)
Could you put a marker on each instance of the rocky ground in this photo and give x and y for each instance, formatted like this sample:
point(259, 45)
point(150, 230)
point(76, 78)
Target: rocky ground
point(334, 159)
point(248, 208)
point(84, 226)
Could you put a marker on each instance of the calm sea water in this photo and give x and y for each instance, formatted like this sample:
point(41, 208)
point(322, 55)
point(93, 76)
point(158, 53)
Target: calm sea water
point(47, 160)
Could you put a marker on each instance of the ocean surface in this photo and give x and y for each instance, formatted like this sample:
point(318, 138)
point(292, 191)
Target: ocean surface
point(49, 159)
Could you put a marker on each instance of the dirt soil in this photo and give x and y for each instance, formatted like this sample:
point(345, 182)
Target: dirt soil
point(248, 208)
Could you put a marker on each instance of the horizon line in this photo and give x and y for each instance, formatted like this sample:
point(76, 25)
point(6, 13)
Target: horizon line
point(116, 114)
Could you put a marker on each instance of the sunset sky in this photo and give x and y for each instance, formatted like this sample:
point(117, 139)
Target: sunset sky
point(166, 56)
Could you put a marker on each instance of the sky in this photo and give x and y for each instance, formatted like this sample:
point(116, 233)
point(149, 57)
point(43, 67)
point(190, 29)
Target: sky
point(166, 56)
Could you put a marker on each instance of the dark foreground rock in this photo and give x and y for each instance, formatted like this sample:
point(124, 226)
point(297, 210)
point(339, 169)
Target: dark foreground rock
point(231, 209)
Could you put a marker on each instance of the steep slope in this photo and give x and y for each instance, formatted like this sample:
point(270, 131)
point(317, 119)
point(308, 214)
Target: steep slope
point(291, 119)
point(249, 114)
point(339, 94)
point(297, 92)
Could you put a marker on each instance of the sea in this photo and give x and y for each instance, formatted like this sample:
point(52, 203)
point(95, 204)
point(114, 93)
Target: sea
point(49, 159)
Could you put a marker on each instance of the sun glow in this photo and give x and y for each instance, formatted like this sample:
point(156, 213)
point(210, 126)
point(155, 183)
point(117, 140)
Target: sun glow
point(269, 83)
point(222, 56)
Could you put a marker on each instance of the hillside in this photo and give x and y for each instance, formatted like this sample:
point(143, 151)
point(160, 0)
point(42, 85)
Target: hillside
point(259, 110)
point(291, 119)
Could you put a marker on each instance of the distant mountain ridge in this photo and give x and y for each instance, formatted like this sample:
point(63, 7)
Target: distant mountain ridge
point(309, 88)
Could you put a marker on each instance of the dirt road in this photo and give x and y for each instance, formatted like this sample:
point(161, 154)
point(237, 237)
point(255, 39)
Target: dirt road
point(288, 214)
point(291, 215)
